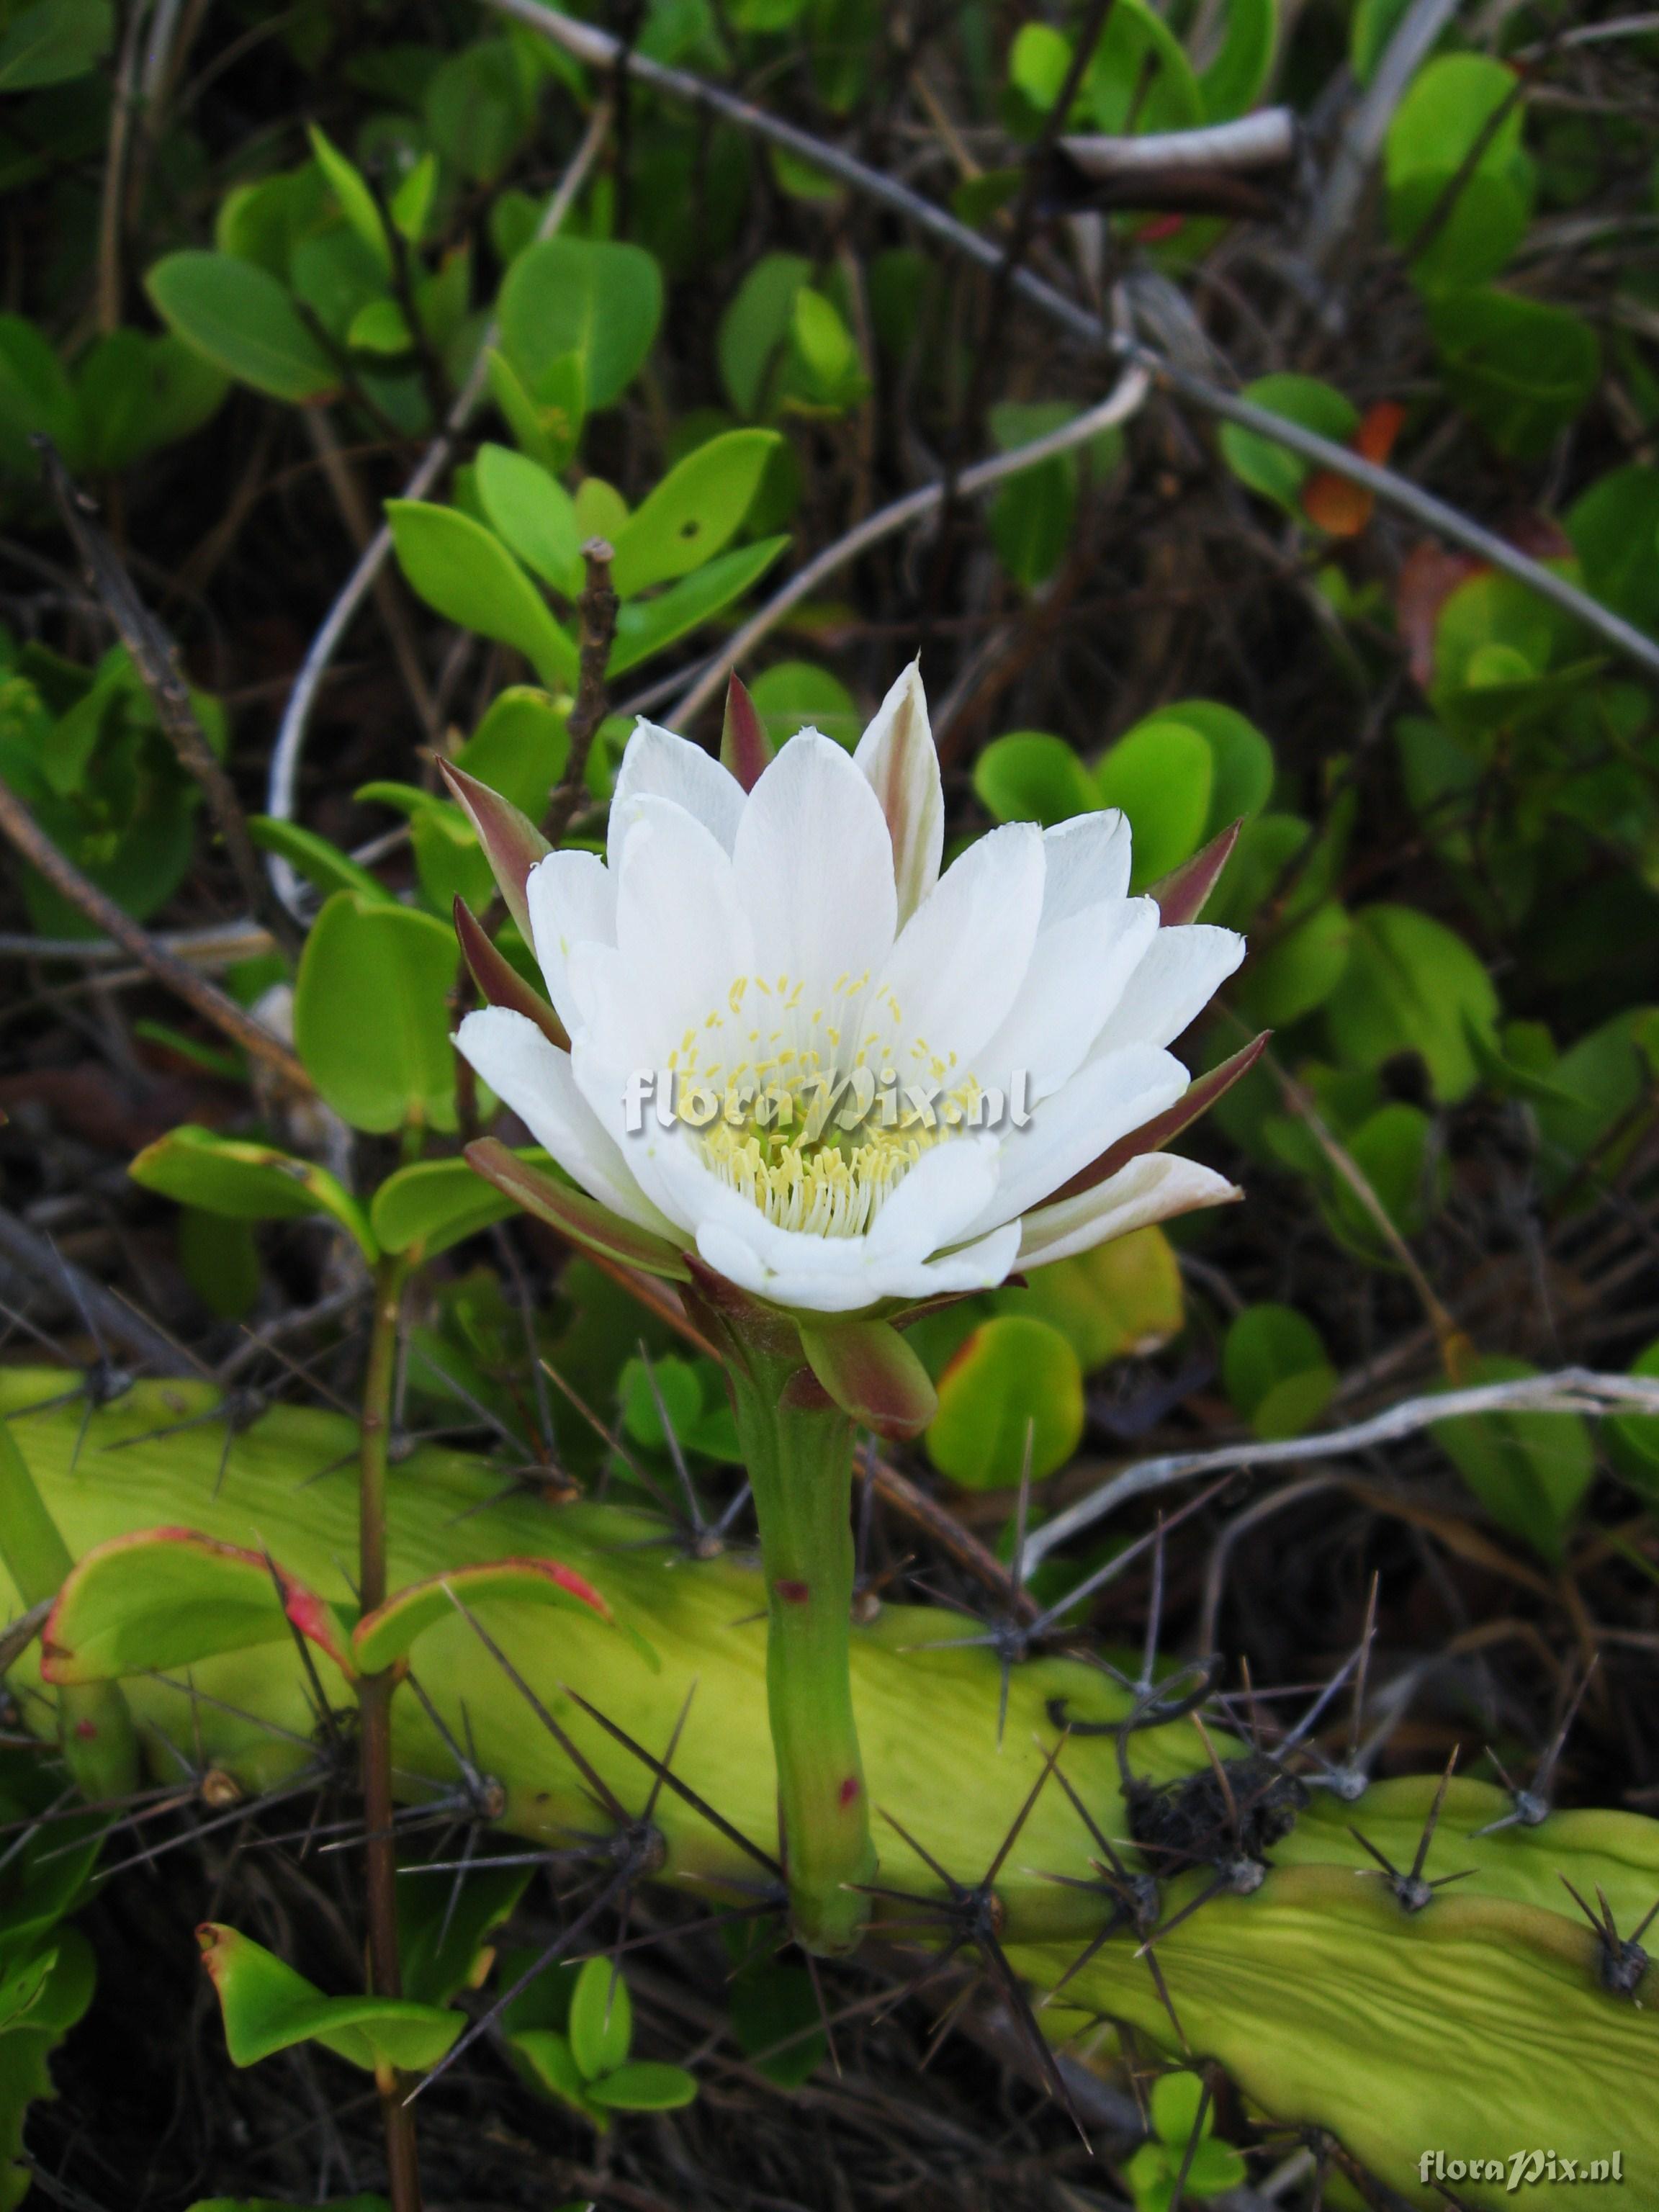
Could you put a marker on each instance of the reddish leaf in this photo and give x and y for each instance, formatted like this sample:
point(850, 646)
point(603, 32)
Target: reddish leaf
point(1428, 576)
point(1182, 895)
point(745, 749)
point(573, 1214)
point(871, 1373)
point(512, 843)
point(1151, 1136)
point(500, 981)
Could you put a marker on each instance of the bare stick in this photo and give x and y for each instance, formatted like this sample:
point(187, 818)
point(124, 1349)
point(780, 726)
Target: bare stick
point(1569, 1391)
point(596, 615)
point(155, 657)
point(20, 828)
point(600, 49)
point(283, 788)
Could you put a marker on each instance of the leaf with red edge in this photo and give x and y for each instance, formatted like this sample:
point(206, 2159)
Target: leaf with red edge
point(1199, 1097)
point(386, 1636)
point(573, 1214)
point(1428, 576)
point(745, 748)
point(1182, 895)
point(500, 981)
point(1336, 504)
point(871, 1373)
point(267, 2008)
point(169, 1597)
point(512, 843)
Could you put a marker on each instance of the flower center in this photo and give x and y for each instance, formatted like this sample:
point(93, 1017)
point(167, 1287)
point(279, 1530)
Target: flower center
point(814, 1114)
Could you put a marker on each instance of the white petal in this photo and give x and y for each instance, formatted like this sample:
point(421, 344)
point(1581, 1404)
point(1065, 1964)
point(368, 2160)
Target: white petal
point(682, 935)
point(898, 757)
point(1079, 968)
point(657, 764)
point(573, 900)
point(816, 870)
point(1088, 860)
point(961, 958)
point(939, 1199)
point(1106, 1099)
point(1182, 971)
point(978, 1267)
point(534, 1077)
point(1155, 1188)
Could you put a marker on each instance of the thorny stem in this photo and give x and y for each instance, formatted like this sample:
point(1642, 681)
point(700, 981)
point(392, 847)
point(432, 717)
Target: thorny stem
point(374, 1693)
point(799, 1463)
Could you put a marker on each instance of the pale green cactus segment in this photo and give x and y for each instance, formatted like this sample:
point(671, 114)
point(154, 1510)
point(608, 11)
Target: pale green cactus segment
point(1480, 2025)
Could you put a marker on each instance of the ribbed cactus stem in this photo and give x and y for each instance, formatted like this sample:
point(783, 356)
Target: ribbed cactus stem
point(799, 1463)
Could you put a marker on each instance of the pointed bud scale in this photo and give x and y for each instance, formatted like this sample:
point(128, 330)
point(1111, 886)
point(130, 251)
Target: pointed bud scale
point(573, 1214)
point(898, 757)
point(512, 843)
point(1151, 1136)
point(1182, 894)
point(873, 1374)
point(500, 981)
point(745, 748)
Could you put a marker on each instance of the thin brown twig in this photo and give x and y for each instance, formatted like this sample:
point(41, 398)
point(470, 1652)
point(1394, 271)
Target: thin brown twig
point(25, 835)
point(596, 615)
point(156, 656)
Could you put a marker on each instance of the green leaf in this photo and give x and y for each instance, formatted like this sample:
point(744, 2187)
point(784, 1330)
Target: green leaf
point(441, 1931)
point(520, 748)
point(1394, 1149)
point(437, 1203)
point(1013, 1374)
point(647, 626)
point(35, 394)
point(458, 566)
point(1161, 773)
point(755, 329)
point(797, 694)
point(693, 512)
point(1031, 777)
point(411, 202)
point(1141, 77)
point(356, 202)
point(53, 41)
point(480, 107)
point(1276, 1370)
point(601, 2019)
point(1298, 970)
point(243, 320)
point(138, 393)
point(1522, 369)
point(645, 2085)
point(387, 1635)
point(1435, 132)
point(825, 350)
point(594, 298)
point(1411, 984)
point(371, 1014)
point(1242, 781)
point(1274, 471)
point(774, 2005)
point(321, 864)
point(1233, 81)
point(1121, 1300)
point(1528, 1470)
point(169, 1597)
point(533, 513)
point(267, 2007)
point(247, 1182)
point(380, 327)
point(1175, 2100)
point(545, 2057)
point(1614, 529)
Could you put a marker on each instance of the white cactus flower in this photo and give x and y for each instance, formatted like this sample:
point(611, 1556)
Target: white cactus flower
point(798, 938)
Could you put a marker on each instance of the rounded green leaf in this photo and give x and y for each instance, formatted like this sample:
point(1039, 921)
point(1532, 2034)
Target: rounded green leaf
point(1161, 773)
point(1412, 985)
point(1528, 1470)
point(54, 41)
point(530, 510)
point(754, 327)
point(1242, 781)
point(520, 748)
point(647, 626)
point(243, 320)
point(371, 1014)
point(435, 1203)
point(693, 512)
point(467, 574)
point(601, 2019)
point(247, 1182)
point(645, 2086)
point(321, 863)
point(1030, 775)
point(1122, 1300)
point(1614, 529)
point(267, 2008)
point(592, 297)
point(357, 203)
point(797, 694)
point(1436, 132)
point(1298, 971)
point(1140, 78)
point(1274, 471)
point(1276, 1370)
point(1233, 81)
point(1012, 1376)
point(1522, 369)
point(1634, 1437)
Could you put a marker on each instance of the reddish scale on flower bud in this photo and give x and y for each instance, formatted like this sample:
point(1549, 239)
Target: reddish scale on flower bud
point(849, 1791)
point(793, 1593)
